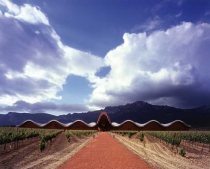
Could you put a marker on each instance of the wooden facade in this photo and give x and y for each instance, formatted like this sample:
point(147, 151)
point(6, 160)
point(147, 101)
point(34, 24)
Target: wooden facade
point(104, 124)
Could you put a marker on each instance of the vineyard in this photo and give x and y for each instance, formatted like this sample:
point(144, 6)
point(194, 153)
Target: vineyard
point(16, 135)
point(78, 133)
point(47, 148)
point(10, 134)
point(168, 149)
point(173, 137)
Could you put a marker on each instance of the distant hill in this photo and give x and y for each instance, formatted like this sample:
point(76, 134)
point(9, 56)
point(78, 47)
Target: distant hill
point(139, 111)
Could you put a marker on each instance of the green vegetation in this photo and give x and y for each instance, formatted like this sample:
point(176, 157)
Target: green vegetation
point(79, 133)
point(141, 137)
point(175, 137)
point(11, 134)
point(172, 137)
point(47, 135)
point(182, 152)
point(67, 134)
point(131, 133)
point(169, 137)
point(122, 133)
point(41, 145)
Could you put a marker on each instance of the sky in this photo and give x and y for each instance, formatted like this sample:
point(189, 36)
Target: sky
point(69, 56)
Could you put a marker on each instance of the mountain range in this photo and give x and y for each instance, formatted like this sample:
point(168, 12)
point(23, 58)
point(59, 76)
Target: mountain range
point(139, 111)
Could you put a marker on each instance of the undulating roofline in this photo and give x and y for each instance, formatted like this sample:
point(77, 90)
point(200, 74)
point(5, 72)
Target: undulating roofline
point(104, 124)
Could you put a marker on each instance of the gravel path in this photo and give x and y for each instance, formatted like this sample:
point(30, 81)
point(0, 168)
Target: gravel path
point(105, 152)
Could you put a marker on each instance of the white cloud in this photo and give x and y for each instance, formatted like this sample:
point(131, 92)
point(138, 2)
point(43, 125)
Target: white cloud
point(12, 8)
point(178, 15)
point(32, 15)
point(27, 13)
point(34, 62)
point(82, 63)
point(168, 67)
point(207, 13)
point(150, 24)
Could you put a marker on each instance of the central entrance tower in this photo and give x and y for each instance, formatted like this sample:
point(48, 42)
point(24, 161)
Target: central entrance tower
point(103, 123)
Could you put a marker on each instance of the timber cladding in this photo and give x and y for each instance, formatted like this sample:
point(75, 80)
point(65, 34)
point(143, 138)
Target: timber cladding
point(104, 124)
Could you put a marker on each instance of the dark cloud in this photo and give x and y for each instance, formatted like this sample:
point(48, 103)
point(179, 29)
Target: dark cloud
point(44, 107)
point(24, 86)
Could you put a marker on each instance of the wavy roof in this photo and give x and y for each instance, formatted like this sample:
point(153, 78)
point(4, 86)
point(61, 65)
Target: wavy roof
point(149, 122)
point(91, 125)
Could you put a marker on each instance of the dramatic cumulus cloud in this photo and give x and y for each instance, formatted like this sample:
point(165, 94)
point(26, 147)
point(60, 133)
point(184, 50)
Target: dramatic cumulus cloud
point(34, 64)
point(165, 67)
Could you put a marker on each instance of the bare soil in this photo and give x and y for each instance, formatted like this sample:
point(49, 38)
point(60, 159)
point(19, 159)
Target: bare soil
point(104, 152)
point(164, 156)
point(55, 153)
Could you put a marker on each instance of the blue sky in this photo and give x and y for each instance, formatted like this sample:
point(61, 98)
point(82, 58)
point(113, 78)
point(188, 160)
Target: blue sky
point(70, 56)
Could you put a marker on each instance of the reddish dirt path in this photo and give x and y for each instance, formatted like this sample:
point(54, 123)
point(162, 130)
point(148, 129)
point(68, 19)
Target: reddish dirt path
point(105, 152)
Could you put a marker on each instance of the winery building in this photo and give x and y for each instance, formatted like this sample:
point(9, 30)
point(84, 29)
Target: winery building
point(104, 124)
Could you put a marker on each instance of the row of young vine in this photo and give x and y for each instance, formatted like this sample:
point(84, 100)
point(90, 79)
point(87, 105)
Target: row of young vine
point(78, 133)
point(11, 134)
point(47, 135)
point(123, 133)
point(173, 137)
